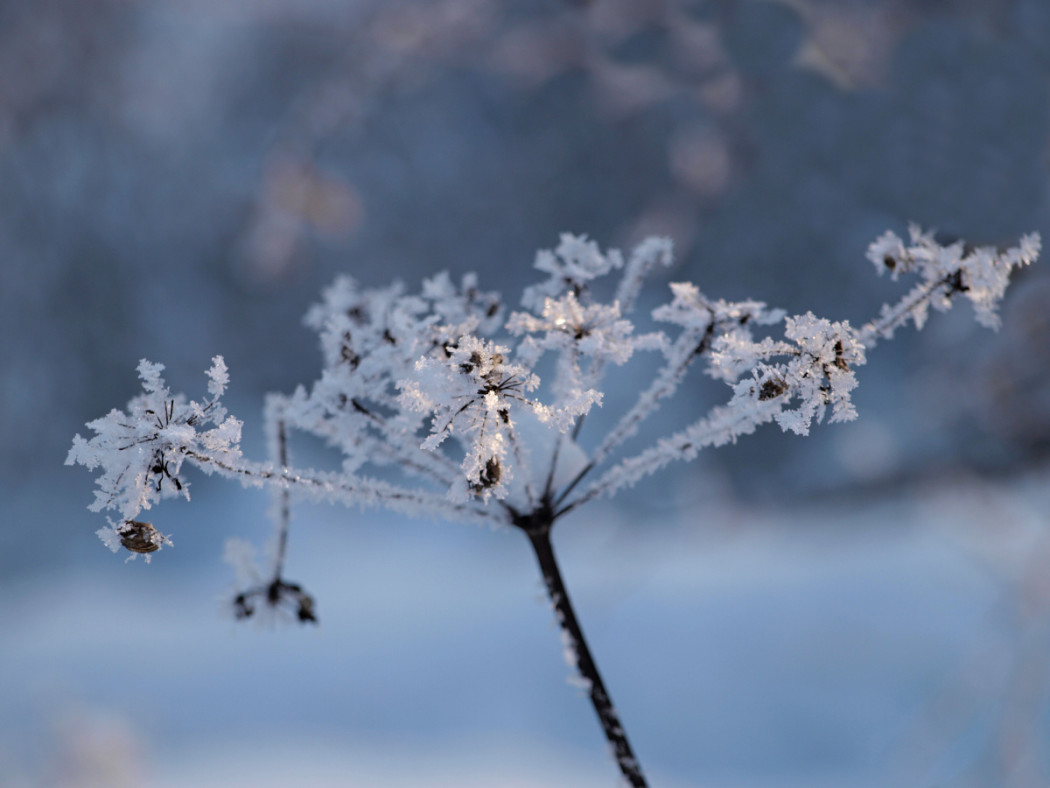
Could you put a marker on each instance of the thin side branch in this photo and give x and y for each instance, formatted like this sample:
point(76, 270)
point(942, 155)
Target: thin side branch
point(346, 489)
point(685, 350)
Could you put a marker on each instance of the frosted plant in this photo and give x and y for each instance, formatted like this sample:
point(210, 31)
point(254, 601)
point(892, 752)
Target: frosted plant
point(439, 393)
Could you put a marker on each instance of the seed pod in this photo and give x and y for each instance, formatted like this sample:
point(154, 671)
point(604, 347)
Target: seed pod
point(306, 609)
point(773, 387)
point(492, 474)
point(140, 537)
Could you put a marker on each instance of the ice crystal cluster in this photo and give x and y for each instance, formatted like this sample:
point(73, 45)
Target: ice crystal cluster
point(435, 401)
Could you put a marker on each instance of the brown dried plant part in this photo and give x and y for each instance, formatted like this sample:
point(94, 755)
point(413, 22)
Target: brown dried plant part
point(140, 537)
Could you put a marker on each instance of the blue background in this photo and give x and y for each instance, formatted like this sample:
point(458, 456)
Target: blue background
point(866, 606)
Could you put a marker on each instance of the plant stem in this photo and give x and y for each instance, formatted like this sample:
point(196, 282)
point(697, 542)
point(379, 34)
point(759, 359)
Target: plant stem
point(285, 498)
point(540, 539)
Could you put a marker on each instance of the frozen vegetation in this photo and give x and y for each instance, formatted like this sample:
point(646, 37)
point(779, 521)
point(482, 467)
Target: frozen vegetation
point(451, 403)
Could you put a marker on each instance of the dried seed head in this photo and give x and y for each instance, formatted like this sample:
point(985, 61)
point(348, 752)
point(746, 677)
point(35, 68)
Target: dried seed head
point(140, 537)
point(772, 388)
point(489, 477)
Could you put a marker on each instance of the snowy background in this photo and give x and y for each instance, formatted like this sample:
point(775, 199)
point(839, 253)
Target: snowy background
point(864, 607)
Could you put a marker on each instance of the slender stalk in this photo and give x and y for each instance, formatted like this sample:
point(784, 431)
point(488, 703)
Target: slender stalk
point(284, 498)
point(538, 531)
point(339, 487)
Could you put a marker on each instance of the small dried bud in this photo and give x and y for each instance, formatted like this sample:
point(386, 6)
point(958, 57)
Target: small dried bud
point(277, 594)
point(140, 537)
point(472, 364)
point(955, 283)
point(490, 477)
point(306, 612)
point(773, 387)
point(840, 362)
point(242, 606)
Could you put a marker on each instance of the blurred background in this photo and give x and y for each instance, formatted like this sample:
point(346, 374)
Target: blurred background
point(868, 606)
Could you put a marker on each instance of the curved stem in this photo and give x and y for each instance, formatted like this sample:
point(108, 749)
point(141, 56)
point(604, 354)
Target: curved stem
point(539, 536)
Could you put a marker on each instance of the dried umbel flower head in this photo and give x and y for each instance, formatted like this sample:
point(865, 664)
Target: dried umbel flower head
point(279, 595)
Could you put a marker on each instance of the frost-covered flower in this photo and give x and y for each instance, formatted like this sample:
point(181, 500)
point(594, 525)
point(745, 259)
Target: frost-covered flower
point(572, 266)
point(594, 330)
point(819, 373)
point(888, 253)
point(141, 450)
point(689, 308)
point(471, 391)
point(367, 332)
point(465, 305)
point(575, 332)
point(981, 274)
point(717, 324)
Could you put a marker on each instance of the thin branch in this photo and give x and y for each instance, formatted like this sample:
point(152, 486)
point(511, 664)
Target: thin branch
point(523, 467)
point(408, 455)
point(894, 317)
point(346, 488)
point(685, 350)
point(724, 425)
point(283, 501)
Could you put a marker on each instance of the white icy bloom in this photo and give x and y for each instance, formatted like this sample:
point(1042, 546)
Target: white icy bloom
point(818, 373)
point(572, 265)
point(724, 325)
point(689, 308)
point(370, 338)
point(986, 273)
point(819, 376)
point(464, 305)
point(368, 331)
point(575, 331)
point(141, 450)
point(471, 391)
point(888, 253)
point(981, 274)
point(218, 377)
point(594, 330)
